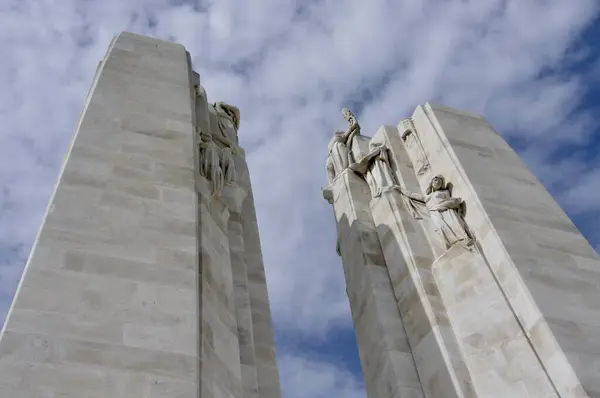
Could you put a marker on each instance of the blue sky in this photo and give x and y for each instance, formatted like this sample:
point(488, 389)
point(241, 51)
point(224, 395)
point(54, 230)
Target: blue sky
point(531, 67)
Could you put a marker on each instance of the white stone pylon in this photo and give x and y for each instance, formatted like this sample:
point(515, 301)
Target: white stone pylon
point(495, 287)
point(143, 281)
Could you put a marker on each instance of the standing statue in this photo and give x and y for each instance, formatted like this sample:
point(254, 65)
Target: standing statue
point(340, 147)
point(375, 167)
point(353, 126)
point(229, 123)
point(381, 172)
point(216, 150)
point(445, 212)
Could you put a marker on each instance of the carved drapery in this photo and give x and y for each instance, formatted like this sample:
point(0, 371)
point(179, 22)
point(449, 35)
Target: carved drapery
point(340, 154)
point(229, 123)
point(380, 174)
point(209, 166)
point(415, 150)
point(217, 149)
point(375, 168)
point(445, 211)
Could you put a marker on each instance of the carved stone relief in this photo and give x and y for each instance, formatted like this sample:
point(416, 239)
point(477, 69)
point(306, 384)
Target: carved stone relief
point(216, 150)
point(227, 165)
point(209, 166)
point(344, 152)
point(445, 212)
point(375, 167)
point(381, 172)
point(415, 150)
point(340, 154)
point(229, 123)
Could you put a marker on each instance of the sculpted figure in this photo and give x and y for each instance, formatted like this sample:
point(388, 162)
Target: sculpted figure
point(381, 171)
point(229, 123)
point(210, 162)
point(445, 212)
point(227, 165)
point(340, 154)
point(375, 166)
point(353, 126)
point(414, 147)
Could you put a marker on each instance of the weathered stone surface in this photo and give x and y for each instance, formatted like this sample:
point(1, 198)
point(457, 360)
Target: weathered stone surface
point(385, 354)
point(409, 257)
point(267, 374)
point(529, 243)
point(497, 300)
point(97, 312)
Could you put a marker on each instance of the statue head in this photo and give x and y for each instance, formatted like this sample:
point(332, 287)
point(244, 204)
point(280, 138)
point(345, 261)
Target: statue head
point(437, 183)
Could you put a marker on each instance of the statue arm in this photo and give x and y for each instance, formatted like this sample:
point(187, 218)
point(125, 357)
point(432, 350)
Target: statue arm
point(453, 203)
point(353, 131)
point(350, 133)
point(412, 195)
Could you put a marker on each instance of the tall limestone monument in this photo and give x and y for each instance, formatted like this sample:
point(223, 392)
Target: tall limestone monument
point(464, 276)
point(146, 279)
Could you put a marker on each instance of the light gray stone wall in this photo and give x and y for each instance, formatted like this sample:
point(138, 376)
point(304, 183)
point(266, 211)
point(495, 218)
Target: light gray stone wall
point(238, 248)
point(513, 315)
point(409, 257)
point(219, 352)
point(108, 304)
point(262, 331)
point(142, 281)
point(494, 347)
point(387, 361)
point(547, 270)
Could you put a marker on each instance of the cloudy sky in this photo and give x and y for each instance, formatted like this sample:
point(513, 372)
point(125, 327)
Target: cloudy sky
point(529, 66)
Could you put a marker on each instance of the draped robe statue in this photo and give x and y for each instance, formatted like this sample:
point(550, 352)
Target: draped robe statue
point(229, 123)
point(227, 165)
point(446, 212)
point(375, 167)
point(210, 167)
point(340, 147)
point(218, 147)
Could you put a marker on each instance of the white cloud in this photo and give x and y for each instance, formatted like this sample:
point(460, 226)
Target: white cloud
point(306, 377)
point(290, 72)
point(584, 194)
